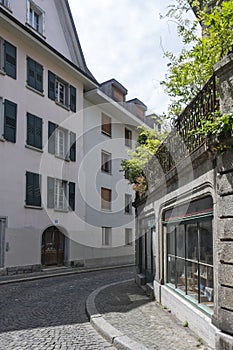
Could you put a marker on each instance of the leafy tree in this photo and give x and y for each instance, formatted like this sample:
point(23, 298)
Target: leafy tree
point(189, 70)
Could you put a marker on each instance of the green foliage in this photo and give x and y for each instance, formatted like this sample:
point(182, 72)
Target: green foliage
point(185, 324)
point(147, 144)
point(189, 70)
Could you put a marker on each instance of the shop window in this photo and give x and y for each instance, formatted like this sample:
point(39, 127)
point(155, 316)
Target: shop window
point(189, 251)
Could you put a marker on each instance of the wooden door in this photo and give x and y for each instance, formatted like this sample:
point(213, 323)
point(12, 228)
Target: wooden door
point(53, 244)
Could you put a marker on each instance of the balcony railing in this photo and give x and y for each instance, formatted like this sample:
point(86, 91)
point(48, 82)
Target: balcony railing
point(182, 141)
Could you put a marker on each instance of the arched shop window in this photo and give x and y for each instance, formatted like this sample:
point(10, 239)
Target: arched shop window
point(189, 251)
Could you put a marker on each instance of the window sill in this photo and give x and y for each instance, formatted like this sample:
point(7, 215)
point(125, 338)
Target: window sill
point(35, 31)
point(62, 158)
point(61, 210)
point(63, 106)
point(106, 210)
point(106, 134)
point(6, 8)
point(34, 90)
point(106, 172)
point(128, 213)
point(2, 139)
point(34, 148)
point(32, 207)
point(2, 72)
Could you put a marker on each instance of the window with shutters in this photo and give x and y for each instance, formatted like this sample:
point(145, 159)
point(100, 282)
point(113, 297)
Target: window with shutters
point(8, 58)
point(106, 162)
point(8, 120)
point(35, 17)
point(61, 92)
point(61, 142)
point(34, 75)
point(106, 236)
point(60, 194)
point(106, 198)
point(128, 204)
point(106, 125)
point(33, 190)
point(129, 236)
point(6, 3)
point(34, 131)
point(128, 138)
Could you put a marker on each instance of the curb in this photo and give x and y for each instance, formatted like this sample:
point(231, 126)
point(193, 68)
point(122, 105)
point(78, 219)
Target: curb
point(110, 333)
point(60, 274)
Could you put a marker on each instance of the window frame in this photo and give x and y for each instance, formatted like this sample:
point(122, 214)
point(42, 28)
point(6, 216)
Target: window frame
point(57, 188)
point(32, 10)
point(38, 69)
point(106, 164)
point(106, 204)
point(36, 186)
point(8, 68)
point(106, 127)
point(128, 137)
point(106, 236)
point(128, 204)
point(38, 124)
point(69, 100)
point(128, 236)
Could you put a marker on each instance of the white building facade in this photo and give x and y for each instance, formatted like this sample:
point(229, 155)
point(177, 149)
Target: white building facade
point(64, 200)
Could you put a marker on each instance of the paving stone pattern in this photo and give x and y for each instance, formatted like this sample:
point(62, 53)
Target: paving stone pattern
point(49, 314)
point(127, 308)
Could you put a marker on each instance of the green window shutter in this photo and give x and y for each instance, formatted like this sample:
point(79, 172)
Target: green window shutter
point(30, 129)
point(33, 195)
point(72, 98)
point(34, 131)
point(51, 85)
point(10, 120)
point(10, 59)
point(38, 132)
point(39, 77)
point(50, 192)
point(31, 72)
point(72, 146)
point(72, 196)
point(51, 137)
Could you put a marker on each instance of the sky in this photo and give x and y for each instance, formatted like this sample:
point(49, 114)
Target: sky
point(125, 40)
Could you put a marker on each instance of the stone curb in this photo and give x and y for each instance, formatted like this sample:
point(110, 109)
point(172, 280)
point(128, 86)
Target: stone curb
point(58, 274)
point(113, 335)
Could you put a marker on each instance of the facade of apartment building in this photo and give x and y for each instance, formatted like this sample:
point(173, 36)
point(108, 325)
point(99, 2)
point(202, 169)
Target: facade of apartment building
point(63, 199)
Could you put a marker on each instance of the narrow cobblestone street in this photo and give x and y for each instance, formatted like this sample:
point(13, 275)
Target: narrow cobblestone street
point(50, 313)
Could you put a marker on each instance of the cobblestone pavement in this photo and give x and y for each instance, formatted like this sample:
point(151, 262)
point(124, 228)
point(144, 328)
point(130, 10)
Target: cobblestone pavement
point(50, 313)
point(129, 310)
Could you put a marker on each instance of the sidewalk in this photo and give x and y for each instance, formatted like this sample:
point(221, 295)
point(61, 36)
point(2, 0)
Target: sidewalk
point(127, 318)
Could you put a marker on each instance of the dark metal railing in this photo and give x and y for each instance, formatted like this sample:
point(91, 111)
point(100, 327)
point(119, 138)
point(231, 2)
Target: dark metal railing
point(183, 140)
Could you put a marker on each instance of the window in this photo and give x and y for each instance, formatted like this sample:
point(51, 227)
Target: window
point(106, 125)
point(60, 194)
point(61, 92)
point(106, 162)
point(33, 193)
point(128, 204)
point(129, 236)
point(61, 142)
point(189, 246)
point(34, 75)
point(106, 236)
point(35, 17)
point(8, 58)
point(34, 131)
point(106, 197)
point(8, 120)
point(128, 138)
point(6, 3)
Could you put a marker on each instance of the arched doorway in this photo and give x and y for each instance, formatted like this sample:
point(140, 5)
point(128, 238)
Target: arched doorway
point(53, 247)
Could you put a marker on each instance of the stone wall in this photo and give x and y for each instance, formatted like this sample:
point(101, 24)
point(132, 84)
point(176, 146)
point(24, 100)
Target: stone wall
point(223, 317)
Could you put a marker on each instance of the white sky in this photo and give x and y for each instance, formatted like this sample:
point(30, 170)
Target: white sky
point(122, 40)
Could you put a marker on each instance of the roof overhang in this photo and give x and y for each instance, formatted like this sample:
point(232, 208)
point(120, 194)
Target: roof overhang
point(109, 106)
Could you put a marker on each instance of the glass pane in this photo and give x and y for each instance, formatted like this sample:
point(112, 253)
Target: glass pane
point(192, 280)
point(206, 242)
point(171, 239)
point(192, 241)
point(180, 241)
point(171, 270)
point(180, 267)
